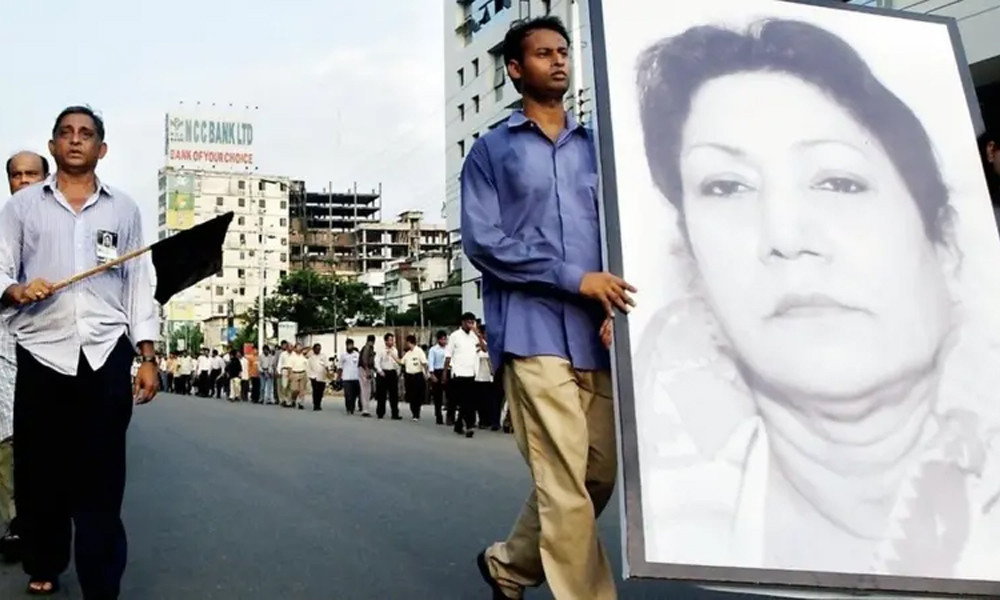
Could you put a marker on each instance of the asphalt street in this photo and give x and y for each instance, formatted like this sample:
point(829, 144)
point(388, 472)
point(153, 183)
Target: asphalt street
point(244, 502)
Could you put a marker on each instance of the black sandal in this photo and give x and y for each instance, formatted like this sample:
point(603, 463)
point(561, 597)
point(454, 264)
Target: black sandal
point(38, 591)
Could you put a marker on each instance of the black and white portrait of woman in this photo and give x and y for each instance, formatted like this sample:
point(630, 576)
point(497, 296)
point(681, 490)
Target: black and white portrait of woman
point(815, 360)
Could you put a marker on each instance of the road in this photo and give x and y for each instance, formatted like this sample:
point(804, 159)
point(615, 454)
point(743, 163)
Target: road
point(244, 502)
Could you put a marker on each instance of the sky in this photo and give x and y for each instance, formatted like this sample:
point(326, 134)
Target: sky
point(346, 91)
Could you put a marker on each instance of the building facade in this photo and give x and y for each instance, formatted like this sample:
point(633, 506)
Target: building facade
point(479, 95)
point(256, 249)
point(406, 280)
point(323, 225)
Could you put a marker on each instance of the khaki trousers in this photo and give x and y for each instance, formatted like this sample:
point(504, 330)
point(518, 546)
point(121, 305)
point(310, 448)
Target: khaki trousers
point(564, 425)
point(7, 512)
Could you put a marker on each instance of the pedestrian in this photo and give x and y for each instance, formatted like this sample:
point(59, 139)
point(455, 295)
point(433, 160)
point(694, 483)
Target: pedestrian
point(284, 373)
point(435, 361)
point(72, 401)
point(234, 370)
point(348, 372)
point(215, 375)
point(267, 365)
point(204, 368)
point(297, 365)
point(415, 376)
point(489, 410)
point(366, 375)
point(387, 378)
point(253, 370)
point(316, 370)
point(187, 369)
point(172, 372)
point(460, 366)
point(546, 300)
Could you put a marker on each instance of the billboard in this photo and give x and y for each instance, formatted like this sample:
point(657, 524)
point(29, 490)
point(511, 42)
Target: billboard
point(180, 201)
point(209, 140)
point(807, 388)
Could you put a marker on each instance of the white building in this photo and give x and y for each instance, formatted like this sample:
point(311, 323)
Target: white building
point(405, 279)
point(479, 95)
point(379, 245)
point(257, 239)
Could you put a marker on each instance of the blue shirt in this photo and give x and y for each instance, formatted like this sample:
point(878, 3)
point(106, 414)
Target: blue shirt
point(435, 358)
point(41, 236)
point(530, 223)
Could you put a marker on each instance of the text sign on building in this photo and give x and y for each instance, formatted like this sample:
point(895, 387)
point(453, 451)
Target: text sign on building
point(209, 141)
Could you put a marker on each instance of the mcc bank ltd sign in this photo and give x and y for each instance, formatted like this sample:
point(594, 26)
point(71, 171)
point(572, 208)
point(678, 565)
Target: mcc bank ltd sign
point(197, 142)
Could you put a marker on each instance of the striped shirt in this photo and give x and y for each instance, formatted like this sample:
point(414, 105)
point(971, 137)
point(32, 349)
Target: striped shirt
point(41, 236)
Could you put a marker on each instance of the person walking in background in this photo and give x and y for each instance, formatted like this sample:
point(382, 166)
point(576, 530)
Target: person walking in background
point(204, 368)
point(72, 400)
point(234, 370)
point(316, 370)
point(349, 374)
point(217, 382)
point(435, 361)
point(284, 372)
point(171, 372)
point(460, 367)
point(489, 411)
point(297, 378)
point(244, 377)
point(366, 377)
point(415, 376)
point(387, 378)
point(267, 369)
point(546, 300)
point(253, 369)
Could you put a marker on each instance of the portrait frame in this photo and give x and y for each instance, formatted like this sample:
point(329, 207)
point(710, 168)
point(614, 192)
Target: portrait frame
point(735, 578)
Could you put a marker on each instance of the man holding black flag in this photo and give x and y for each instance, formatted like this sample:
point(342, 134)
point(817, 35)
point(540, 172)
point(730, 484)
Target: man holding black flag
point(74, 398)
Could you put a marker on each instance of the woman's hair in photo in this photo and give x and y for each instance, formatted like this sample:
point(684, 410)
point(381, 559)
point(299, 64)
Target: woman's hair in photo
point(672, 71)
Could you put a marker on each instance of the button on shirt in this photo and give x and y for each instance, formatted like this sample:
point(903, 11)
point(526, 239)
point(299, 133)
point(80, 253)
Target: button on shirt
point(530, 224)
point(41, 236)
point(462, 349)
point(349, 366)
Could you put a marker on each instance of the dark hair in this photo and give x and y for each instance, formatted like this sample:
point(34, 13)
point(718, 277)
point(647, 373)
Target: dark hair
point(45, 162)
point(674, 69)
point(411, 339)
point(468, 317)
point(513, 42)
point(371, 338)
point(440, 334)
point(283, 342)
point(349, 342)
point(387, 336)
point(80, 110)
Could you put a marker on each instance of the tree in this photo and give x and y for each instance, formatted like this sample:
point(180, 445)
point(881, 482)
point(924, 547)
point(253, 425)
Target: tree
point(192, 336)
point(439, 311)
point(317, 302)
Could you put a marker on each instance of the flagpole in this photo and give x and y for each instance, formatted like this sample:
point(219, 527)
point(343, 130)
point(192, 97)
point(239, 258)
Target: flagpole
point(101, 268)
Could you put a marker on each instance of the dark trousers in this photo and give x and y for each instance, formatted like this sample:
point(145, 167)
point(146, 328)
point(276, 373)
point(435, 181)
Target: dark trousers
point(183, 381)
point(170, 382)
point(221, 385)
point(352, 395)
point(437, 395)
point(318, 387)
point(387, 386)
point(255, 389)
point(462, 392)
point(416, 392)
point(489, 404)
point(215, 383)
point(70, 468)
point(204, 384)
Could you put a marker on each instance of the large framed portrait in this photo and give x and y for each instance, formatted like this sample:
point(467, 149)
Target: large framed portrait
point(809, 387)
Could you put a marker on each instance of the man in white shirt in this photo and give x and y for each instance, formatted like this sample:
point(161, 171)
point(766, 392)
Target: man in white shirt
point(268, 362)
point(349, 373)
point(415, 376)
point(296, 365)
point(217, 383)
point(204, 368)
point(73, 401)
point(387, 378)
point(316, 371)
point(460, 366)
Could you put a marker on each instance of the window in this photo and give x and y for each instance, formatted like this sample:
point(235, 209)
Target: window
point(218, 201)
point(283, 222)
point(220, 310)
point(220, 291)
point(242, 185)
point(284, 257)
point(243, 239)
point(461, 148)
point(499, 69)
point(475, 101)
point(479, 289)
point(242, 202)
point(475, 67)
point(461, 78)
point(262, 204)
point(475, 136)
point(243, 291)
point(282, 274)
point(284, 241)
point(252, 254)
point(241, 221)
point(163, 218)
point(284, 205)
point(243, 255)
point(461, 112)
point(284, 187)
point(240, 273)
point(261, 186)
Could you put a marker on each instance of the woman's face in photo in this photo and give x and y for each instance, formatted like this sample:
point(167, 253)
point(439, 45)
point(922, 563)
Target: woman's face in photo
point(811, 249)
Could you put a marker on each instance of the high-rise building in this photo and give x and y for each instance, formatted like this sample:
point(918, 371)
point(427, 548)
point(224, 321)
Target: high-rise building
point(323, 225)
point(479, 95)
point(257, 239)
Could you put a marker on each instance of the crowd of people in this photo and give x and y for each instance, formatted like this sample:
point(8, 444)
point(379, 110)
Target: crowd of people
point(454, 374)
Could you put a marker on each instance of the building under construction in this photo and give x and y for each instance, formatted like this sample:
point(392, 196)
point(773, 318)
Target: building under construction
point(323, 227)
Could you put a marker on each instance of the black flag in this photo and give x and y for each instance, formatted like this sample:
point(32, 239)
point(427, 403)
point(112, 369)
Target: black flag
point(186, 258)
